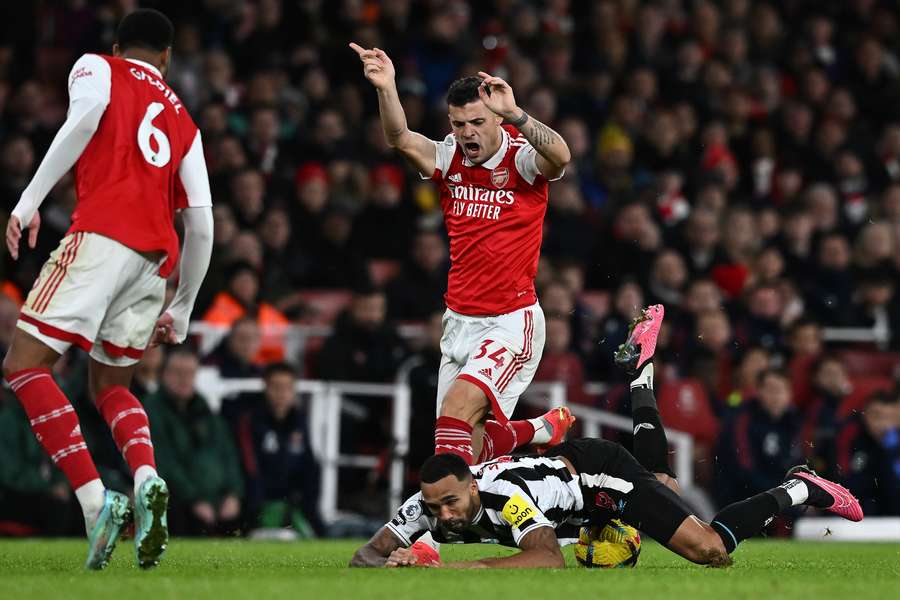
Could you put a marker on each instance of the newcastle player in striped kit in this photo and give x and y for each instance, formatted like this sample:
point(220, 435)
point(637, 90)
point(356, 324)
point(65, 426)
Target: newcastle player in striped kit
point(538, 503)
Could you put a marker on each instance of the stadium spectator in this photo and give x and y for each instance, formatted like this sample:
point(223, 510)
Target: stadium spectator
point(419, 288)
point(868, 455)
point(753, 361)
point(240, 299)
point(759, 443)
point(383, 227)
point(235, 356)
point(194, 452)
point(559, 363)
point(364, 345)
point(148, 372)
point(831, 385)
point(282, 476)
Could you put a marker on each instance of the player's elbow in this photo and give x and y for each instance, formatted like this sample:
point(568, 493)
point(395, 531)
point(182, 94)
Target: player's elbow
point(398, 139)
point(564, 157)
point(553, 560)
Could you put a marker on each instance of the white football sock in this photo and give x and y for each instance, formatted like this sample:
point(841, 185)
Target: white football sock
point(542, 433)
point(142, 473)
point(90, 497)
point(797, 490)
point(644, 378)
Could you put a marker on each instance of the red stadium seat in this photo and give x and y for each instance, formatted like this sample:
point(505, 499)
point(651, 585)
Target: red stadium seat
point(863, 387)
point(321, 307)
point(684, 405)
point(871, 363)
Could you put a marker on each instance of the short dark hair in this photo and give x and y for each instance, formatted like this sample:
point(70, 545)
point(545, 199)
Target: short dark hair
point(145, 28)
point(464, 90)
point(278, 368)
point(439, 466)
point(773, 372)
point(885, 397)
point(180, 351)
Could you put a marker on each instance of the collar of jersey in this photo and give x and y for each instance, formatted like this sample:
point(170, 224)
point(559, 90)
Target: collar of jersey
point(493, 161)
point(479, 515)
point(146, 65)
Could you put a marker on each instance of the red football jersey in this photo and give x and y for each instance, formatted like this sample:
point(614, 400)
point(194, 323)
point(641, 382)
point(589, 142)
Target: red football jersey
point(127, 181)
point(494, 214)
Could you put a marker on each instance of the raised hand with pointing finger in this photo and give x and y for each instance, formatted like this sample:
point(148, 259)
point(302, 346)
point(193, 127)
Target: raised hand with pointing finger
point(377, 67)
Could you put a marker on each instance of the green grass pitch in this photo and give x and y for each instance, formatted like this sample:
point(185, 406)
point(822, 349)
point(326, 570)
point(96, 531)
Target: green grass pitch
point(224, 569)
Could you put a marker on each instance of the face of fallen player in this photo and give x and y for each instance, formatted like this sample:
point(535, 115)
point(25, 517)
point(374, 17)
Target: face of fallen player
point(477, 129)
point(453, 502)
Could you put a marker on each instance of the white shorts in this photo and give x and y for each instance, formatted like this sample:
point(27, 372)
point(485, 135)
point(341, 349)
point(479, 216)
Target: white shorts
point(499, 354)
point(97, 294)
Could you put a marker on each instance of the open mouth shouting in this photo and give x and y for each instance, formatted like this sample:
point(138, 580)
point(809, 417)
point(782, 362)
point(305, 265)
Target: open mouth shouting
point(472, 149)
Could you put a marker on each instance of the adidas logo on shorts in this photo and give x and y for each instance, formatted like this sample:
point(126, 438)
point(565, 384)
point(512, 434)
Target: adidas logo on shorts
point(485, 372)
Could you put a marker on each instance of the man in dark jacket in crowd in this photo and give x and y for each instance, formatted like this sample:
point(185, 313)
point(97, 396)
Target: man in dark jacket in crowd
point(759, 444)
point(868, 455)
point(282, 473)
point(194, 452)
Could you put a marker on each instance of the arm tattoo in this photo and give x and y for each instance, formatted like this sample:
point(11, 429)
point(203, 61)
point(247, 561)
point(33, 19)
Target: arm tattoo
point(539, 134)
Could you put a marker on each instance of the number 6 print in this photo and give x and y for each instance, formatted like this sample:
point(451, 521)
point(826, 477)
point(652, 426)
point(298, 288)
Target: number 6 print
point(146, 130)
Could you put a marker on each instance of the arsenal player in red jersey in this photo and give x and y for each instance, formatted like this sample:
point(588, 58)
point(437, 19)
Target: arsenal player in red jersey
point(138, 160)
point(493, 180)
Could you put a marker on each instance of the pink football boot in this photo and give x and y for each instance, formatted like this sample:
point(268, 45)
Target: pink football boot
point(827, 495)
point(638, 349)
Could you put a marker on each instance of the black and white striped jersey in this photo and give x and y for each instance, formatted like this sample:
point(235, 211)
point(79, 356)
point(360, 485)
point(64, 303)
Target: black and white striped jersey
point(518, 495)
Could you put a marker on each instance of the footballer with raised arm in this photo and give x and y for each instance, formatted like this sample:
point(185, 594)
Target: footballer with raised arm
point(138, 159)
point(539, 503)
point(493, 179)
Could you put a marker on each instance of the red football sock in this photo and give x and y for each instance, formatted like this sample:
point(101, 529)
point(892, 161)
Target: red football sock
point(453, 436)
point(54, 423)
point(503, 439)
point(129, 425)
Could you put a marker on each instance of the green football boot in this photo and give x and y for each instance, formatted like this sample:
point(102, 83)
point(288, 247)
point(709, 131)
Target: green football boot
point(106, 529)
point(151, 531)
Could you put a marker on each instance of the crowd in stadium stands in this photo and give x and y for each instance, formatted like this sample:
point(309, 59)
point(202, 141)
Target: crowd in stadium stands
point(736, 161)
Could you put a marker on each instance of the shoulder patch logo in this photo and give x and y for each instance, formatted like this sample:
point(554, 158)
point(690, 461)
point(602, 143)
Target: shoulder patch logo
point(500, 177)
point(517, 511)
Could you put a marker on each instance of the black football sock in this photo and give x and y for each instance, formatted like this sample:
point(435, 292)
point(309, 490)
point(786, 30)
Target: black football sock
point(649, 445)
point(741, 520)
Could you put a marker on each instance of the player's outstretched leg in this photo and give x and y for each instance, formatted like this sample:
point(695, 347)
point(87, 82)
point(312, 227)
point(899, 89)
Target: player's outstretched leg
point(744, 519)
point(650, 446)
point(545, 431)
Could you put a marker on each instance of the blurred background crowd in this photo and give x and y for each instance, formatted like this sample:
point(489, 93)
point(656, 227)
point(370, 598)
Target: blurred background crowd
point(736, 161)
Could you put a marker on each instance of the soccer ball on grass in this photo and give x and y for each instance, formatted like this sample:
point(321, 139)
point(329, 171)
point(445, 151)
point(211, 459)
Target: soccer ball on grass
point(613, 545)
